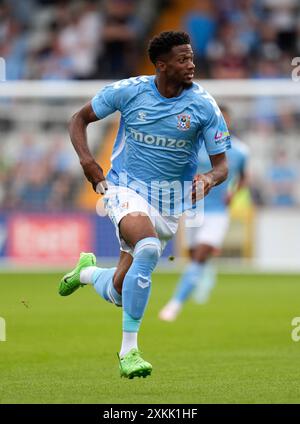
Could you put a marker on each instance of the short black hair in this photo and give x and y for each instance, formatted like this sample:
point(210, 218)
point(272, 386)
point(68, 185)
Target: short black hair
point(164, 42)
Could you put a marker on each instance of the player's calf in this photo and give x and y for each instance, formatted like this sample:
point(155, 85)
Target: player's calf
point(137, 282)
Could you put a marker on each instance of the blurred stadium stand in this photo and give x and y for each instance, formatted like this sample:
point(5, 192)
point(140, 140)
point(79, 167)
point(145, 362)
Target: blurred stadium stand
point(105, 39)
point(82, 42)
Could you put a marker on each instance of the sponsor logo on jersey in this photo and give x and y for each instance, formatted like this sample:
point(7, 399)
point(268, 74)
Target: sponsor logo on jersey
point(158, 140)
point(184, 122)
point(221, 136)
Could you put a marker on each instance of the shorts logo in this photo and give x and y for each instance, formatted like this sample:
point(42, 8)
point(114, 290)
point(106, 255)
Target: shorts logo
point(125, 205)
point(184, 122)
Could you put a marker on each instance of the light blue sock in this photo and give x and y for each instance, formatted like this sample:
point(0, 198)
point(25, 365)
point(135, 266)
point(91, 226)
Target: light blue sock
point(137, 282)
point(102, 280)
point(189, 280)
point(202, 292)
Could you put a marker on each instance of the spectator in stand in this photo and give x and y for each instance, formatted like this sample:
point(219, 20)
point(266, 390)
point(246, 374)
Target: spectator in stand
point(34, 179)
point(282, 16)
point(265, 108)
point(35, 193)
point(55, 63)
point(200, 23)
point(227, 56)
point(81, 38)
point(121, 33)
point(283, 178)
point(13, 43)
point(245, 16)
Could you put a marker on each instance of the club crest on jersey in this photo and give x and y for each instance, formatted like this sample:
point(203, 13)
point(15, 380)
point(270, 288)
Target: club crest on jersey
point(184, 122)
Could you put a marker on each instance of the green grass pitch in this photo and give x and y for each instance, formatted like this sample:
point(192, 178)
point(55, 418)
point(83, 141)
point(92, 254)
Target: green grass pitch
point(236, 349)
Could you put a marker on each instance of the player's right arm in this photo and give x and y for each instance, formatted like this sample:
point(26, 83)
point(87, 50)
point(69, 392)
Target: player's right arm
point(77, 130)
point(109, 99)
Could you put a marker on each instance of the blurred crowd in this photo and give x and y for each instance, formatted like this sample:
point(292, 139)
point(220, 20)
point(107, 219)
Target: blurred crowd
point(66, 39)
point(106, 39)
point(38, 175)
point(63, 39)
point(244, 38)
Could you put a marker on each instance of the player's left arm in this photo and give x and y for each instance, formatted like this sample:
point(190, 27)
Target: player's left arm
point(217, 141)
point(219, 171)
point(203, 183)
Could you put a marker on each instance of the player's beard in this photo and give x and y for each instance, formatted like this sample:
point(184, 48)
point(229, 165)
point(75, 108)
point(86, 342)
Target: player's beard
point(187, 85)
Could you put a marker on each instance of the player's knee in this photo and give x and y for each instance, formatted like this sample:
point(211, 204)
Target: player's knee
point(149, 249)
point(200, 258)
point(202, 253)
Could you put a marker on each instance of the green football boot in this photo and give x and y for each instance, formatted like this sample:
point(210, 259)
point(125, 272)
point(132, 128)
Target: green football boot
point(71, 281)
point(133, 365)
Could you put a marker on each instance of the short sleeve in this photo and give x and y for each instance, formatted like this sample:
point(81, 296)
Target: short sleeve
point(216, 134)
point(110, 99)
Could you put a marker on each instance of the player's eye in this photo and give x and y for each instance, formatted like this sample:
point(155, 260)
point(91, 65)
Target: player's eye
point(186, 59)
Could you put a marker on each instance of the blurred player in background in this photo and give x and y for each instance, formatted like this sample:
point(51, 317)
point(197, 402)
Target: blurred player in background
point(165, 119)
point(205, 239)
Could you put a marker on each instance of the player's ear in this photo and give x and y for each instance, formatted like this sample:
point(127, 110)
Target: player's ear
point(160, 66)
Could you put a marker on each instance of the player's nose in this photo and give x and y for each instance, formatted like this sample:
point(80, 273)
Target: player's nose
point(191, 66)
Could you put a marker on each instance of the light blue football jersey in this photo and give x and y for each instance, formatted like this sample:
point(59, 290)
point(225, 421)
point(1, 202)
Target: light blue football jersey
point(237, 158)
point(159, 138)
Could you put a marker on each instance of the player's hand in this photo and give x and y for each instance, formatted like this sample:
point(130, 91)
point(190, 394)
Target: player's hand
point(94, 174)
point(202, 183)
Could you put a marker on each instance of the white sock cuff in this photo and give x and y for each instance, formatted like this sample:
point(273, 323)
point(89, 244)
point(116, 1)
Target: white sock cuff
point(86, 274)
point(129, 342)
